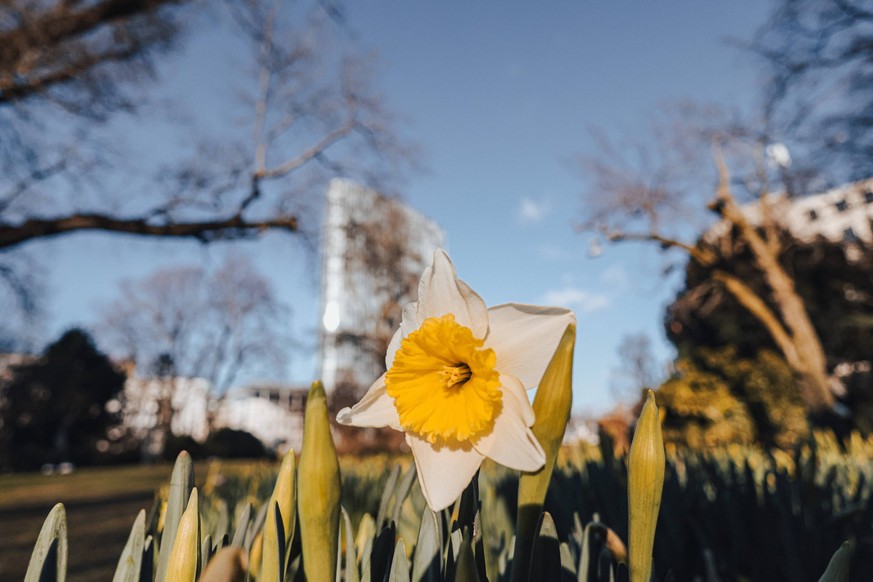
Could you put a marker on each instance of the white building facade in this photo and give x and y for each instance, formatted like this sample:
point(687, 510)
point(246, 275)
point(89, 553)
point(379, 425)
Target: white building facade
point(374, 250)
point(271, 412)
point(841, 215)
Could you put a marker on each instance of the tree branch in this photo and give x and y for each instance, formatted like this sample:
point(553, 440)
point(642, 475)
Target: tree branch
point(747, 297)
point(58, 46)
point(311, 153)
point(235, 227)
point(699, 254)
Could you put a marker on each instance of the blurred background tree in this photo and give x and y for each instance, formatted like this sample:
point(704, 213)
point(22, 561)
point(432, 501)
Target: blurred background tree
point(187, 322)
point(638, 368)
point(55, 409)
point(818, 56)
point(748, 284)
point(306, 111)
point(655, 191)
point(837, 289)
point(716, 398)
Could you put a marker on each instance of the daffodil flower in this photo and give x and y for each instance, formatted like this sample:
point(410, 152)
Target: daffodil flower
point(457, 379)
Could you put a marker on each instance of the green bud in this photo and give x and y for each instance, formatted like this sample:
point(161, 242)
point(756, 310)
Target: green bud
point(185, 554)
point(285, 495)
point(645, 476)
point(318, 491)
point(552, 404)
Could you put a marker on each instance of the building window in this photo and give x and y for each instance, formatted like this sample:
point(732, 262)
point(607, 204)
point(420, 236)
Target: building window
point(842, 205)
point(812, 215)
point(849, 236)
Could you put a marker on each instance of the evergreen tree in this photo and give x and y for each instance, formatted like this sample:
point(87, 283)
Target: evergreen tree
point(55, 409)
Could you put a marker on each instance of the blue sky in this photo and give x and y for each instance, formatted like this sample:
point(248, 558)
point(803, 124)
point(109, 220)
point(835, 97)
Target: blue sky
point(500, 96)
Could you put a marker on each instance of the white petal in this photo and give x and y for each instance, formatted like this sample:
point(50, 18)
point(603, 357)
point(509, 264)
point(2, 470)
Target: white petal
point(408, 324)
point(376, 409)
point(443, 473)
point(441, 292)
point(525, 337)
point(512, 443)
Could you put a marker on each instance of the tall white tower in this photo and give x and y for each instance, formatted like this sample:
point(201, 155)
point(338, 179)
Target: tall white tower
point(374, 249)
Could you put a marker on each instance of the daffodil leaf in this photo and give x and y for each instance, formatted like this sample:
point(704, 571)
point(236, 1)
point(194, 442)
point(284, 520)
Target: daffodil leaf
point(545, 561)
point(838, 567)
point(620, 573)
point(383, 553)
point(584, 555)
point(402, 491)
point(130, 563)
point(451, 556)
point(399, 564)
point(504, 560)
point(49, 558)
point(469, 503)
point(426, 561)
point(222, 523)
point(578, 529)
point(154, 515)
point(364, 541)
point(465, 568)
point(148, 559)
point(181, 485)
point(242, 524)
point(387, 494)
point(351, 569)
point(256, 526)
point(455, 544)
point(273, 557)
point(207, 550)
point(479, 546)
point(568, 564)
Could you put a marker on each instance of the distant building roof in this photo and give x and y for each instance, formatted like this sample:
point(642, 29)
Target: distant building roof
point(840, 215)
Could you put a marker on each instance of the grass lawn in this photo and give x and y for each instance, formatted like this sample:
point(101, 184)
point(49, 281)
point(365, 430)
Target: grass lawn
point(101, 504)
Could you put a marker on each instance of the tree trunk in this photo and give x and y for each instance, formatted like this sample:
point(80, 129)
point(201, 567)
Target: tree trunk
point(798, 340)
point(804, 356)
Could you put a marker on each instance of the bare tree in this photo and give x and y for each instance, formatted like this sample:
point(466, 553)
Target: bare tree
point(186, 322)
point(638, 368)
point(73, 53)
point(306, 112)
point(819, 58)
point(652, 194)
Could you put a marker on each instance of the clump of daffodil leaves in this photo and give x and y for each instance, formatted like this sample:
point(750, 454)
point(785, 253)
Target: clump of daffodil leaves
point(457, 381)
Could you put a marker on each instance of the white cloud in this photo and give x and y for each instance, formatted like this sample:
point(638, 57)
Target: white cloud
point(550, 252)
point(531, 211)
point(579, 299)
point(616, 276)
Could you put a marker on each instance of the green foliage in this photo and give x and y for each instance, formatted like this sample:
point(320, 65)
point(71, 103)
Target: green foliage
point(54, 409)
point(735, 512)
point(717, 398)
point(48, 563)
